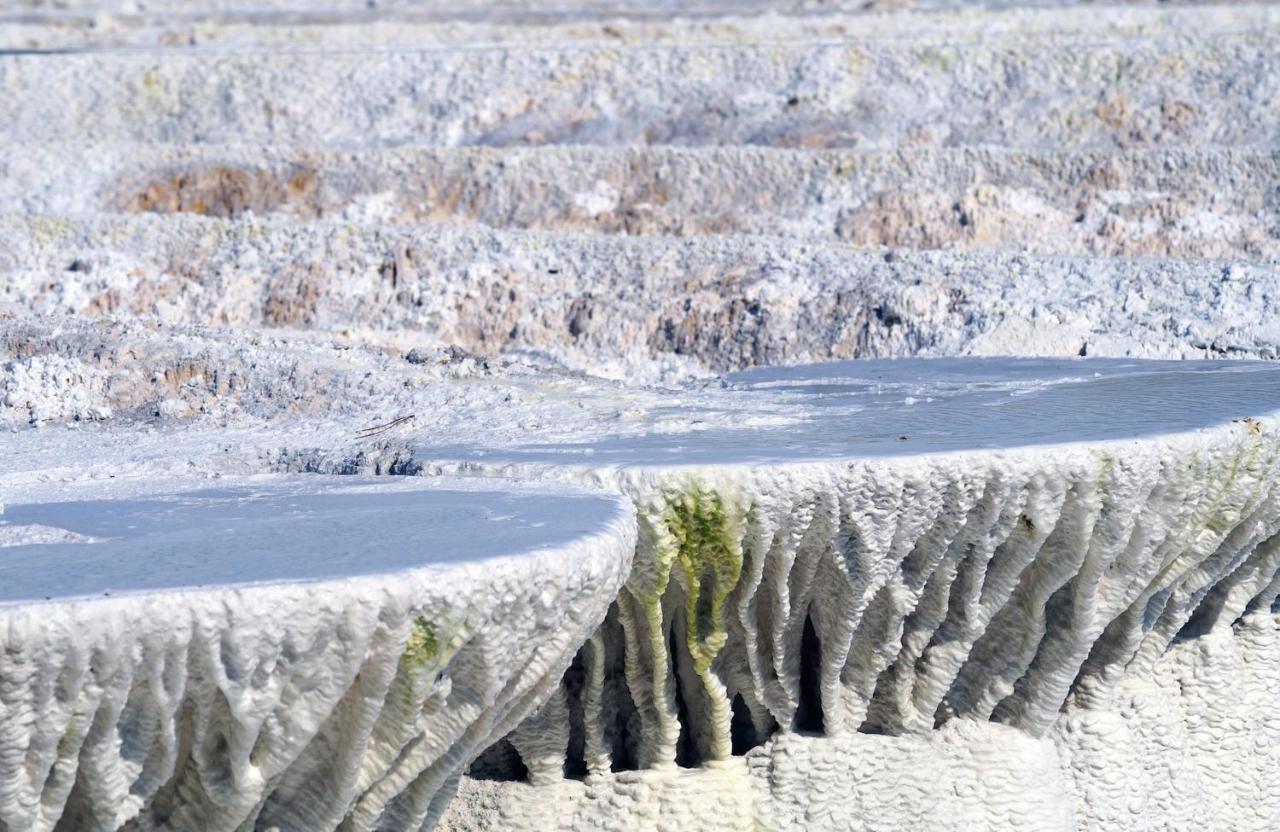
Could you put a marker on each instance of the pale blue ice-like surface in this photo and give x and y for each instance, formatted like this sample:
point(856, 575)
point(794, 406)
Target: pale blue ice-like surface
point(888, 408)
point(267, 531)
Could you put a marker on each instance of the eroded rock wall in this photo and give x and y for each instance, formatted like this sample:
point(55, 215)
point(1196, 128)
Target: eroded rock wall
point(1036, 593)
point(305, 706)
point(1189, 746)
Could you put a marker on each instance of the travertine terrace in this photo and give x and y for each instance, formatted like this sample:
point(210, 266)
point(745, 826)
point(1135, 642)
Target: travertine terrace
point(782, 415)
point(247, 652)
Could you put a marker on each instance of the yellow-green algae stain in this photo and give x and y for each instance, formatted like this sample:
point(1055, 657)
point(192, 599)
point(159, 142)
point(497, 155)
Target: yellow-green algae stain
point(939, 59)
point(1249, 458)
point(1223, 508)
point(423, 646)
point(1102, 485)
point(426, 652)
point(694, 533)
point(427, 648)
point(710, 557)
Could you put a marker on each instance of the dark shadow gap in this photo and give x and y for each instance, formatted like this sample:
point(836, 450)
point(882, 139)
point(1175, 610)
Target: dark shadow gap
point(500, 762)
point(686, 753)
point(808, 718)
point(742, 728)
point(575, 763)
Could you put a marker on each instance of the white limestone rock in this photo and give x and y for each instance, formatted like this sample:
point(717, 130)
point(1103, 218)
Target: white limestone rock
point(1166, 201)
point(641, 309)
point(1171, 757)
point(397, 25)
point(931, 544)
point(1092, 93)
point(986, 554)
point(949, 595)
point(298, 653)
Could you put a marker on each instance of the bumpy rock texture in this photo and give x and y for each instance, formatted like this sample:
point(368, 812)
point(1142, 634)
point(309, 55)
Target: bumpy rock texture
point(1082, 599)
point(944, 594)
point(1090, 93)
point(1164, 201)
point(637, 307)
point(1158, 758)
point(259, 700)
point(526, 239)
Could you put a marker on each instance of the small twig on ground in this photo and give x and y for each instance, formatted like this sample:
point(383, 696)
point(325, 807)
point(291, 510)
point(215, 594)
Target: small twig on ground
point(377, 429)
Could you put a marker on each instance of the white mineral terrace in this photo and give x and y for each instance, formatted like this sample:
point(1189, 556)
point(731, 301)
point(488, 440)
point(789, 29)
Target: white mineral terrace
point(574, 266)
point(984, 554)
point(287, 653)
point(850, 411)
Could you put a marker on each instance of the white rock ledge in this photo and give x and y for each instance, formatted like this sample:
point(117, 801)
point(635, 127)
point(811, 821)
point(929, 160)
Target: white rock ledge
point(910, 544)
point(301, 653)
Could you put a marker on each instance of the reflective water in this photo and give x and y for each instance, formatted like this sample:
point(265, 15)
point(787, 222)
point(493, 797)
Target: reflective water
point(293, 530)
point(855, 409)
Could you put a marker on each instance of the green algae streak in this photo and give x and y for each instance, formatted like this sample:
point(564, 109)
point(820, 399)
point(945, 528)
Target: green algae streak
point(710, 557)
point(423, 646)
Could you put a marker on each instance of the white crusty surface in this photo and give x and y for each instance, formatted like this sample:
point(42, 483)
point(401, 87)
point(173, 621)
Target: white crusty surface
point(1166, 201)
point(1099, 93)
point(330, 26)
point(297, 653)
point(642, 309)
point(973, 544)
point(1191, 745)
point(931, 544)
point(967, 539)
point(1144, 495)
point(528, 241)
point(970, 541)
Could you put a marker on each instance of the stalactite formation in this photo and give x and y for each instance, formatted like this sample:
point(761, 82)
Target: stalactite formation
point(895, 597)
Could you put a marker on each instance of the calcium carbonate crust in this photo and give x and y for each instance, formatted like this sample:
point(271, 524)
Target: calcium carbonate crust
point(952, 603)
point(417, 256)
point(634, 308)
point(1098, 93)
point(203, 25)
point(1163, 201)
point(339, 704)
point(1192, 746)
point(1039, 590)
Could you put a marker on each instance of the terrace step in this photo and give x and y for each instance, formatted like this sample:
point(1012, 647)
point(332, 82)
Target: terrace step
point(329, 27)
point(890, 547)
point(517, 241)
point(1181, 202)
point(1216, 89)
point(251, 645)
point(616, 305)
